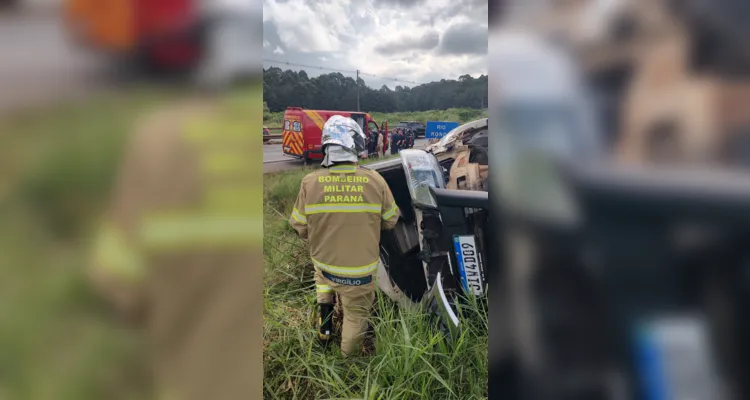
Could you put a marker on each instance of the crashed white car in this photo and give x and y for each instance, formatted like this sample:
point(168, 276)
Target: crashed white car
point(435, 255)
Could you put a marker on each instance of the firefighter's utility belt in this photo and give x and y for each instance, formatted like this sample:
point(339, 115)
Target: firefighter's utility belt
point(344, 274)
point(347, 281)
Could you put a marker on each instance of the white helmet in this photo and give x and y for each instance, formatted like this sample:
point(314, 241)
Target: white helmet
point(342, 141)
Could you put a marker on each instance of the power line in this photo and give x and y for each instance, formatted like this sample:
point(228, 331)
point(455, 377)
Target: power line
point(339, 70)
point(309, 66)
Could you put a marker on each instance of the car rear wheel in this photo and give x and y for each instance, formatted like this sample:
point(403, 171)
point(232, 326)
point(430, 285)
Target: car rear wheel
point(387, 286)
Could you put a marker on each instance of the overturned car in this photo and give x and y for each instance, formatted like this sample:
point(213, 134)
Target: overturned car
point(435, 255)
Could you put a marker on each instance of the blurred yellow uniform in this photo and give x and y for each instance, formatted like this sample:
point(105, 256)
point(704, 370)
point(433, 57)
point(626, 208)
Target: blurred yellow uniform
point(178, 247)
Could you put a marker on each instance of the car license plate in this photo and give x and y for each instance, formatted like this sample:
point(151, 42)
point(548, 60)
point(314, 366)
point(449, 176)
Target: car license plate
point(469, 264)
point(675, 360)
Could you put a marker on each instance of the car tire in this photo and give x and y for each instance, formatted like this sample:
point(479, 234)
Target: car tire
point(435, 314)
point(389, 288)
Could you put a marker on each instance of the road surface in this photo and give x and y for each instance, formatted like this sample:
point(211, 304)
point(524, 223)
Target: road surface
point(39, 64)
point(274, 159)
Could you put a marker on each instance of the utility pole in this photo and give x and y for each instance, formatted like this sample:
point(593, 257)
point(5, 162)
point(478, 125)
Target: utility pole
point(357, 90)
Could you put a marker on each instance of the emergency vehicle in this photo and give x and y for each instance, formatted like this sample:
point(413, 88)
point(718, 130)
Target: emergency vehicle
point(167, 35)
point(303, 130)
point(160, 33)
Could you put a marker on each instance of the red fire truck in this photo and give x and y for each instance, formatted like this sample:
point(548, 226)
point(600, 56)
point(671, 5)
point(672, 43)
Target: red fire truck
point(303, 130)
point(159, 33)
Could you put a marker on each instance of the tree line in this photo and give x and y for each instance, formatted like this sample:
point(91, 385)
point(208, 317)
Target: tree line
point(334, 91)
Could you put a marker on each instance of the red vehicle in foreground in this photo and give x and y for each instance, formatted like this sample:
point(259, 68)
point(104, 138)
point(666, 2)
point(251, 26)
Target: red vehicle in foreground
point(160, 33)
point(303, 130)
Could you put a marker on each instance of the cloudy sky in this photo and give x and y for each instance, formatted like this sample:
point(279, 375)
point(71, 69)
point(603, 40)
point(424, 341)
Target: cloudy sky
point(410, 40)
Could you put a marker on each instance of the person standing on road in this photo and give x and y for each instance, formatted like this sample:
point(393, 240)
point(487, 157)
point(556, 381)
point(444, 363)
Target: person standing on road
point(394, 142)
point(340, 210)
point(409, 138)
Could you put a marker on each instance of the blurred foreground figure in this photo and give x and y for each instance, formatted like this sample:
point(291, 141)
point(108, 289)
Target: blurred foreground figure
point(341, 210)
point(628, 281)
point(539, 115)
point(178, 249)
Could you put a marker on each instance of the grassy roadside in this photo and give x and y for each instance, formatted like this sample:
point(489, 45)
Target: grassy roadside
point(452, 114)
point(412, 359)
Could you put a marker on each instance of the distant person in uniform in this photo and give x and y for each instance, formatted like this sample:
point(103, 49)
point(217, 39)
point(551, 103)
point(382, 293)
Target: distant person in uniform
point(394, 142)
point(178, 249)
point(409, 138)
point(340, 210)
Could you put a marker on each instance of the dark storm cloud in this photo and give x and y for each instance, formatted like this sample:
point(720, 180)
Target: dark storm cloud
point(428, 41)
point(464, 38)
point(399, 3)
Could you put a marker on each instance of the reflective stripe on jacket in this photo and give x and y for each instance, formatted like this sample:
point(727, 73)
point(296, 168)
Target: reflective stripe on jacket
point(341, 211)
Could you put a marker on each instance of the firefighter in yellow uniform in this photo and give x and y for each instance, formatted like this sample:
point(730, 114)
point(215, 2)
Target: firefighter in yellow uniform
point(176, 252)
point(340, 211)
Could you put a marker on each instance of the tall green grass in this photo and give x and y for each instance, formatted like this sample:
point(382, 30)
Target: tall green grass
point(412, 359)
point(57, 339)
point(461, 115)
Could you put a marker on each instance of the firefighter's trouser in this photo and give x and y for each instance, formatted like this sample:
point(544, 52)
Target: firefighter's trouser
point(356, 302)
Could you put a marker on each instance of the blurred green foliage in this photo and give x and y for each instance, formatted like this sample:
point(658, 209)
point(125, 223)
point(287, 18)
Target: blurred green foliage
point(57, 339)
